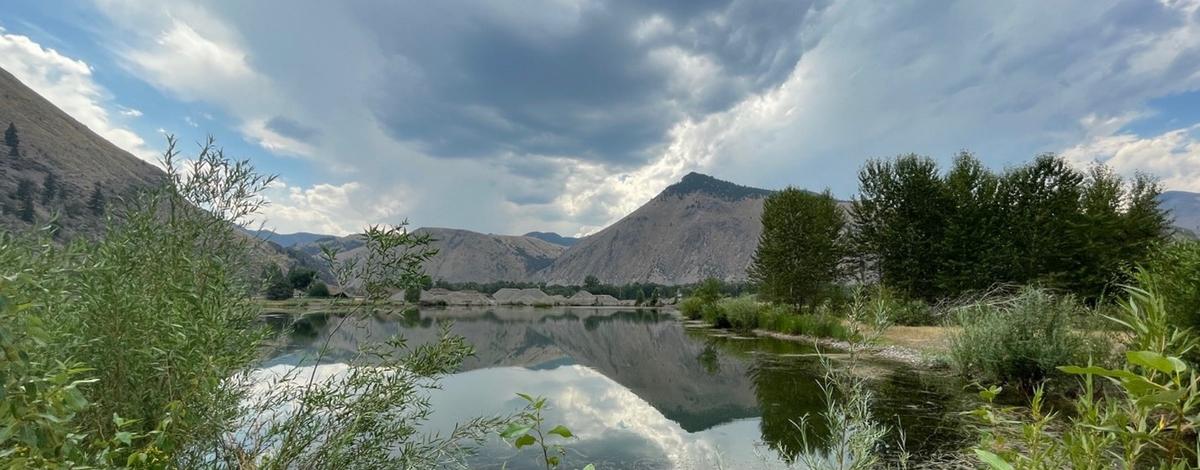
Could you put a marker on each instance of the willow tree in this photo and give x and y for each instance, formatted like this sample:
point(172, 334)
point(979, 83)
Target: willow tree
point(801, 248)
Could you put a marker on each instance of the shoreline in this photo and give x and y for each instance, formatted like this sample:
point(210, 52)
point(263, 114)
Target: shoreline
point(888, 352)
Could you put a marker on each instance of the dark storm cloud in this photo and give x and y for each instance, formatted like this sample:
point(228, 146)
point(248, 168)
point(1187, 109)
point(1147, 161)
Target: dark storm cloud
point(572, 79)
point(289, 128)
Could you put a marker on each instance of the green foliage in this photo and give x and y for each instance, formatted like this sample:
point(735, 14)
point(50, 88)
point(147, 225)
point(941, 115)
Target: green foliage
point(12, 140)
point(691, 307)
point(785, 320)
point(97, 202)
point(526, 430)
point(591, 282)
point(318, 290)
point(300, 277)
point(24, 196)
point(275, 285)
point(1147, 421)
point(1020, 339)
point(714, 315)
point(932, 236)
point(740, 312)
point(801, 249)
point(708, 291)
point(1175, 269)
point(98, 374)
point(50, 188)
point(641, 298)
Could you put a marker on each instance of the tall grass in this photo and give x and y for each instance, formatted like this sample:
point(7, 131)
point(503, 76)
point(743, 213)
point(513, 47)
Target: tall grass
point(1020, 339)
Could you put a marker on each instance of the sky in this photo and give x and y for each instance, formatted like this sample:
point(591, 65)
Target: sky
point(566, 115)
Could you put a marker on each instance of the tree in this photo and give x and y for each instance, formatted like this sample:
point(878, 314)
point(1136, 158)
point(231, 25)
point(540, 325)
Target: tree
point(655, 297)
point(11, 140)
point(97, 202)
point(801, 249)
point(708, 291)
point(276, 285)
point(641, 298)
point(591, 283)
point(972, 242)
point(899, 218)
point(24, 197)
point(50, 188)
point(301, 277)
point(317, 289)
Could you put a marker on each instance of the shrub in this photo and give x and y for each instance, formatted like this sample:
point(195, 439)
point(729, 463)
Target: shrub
point(1021, 339)
point(690, 307)
point(318, 289)
point(1175, 270)
point(741, 312)
point(819, 325)
point(714, 315)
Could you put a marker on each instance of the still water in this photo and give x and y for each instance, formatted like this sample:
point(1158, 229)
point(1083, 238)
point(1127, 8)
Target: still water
point(640, 389)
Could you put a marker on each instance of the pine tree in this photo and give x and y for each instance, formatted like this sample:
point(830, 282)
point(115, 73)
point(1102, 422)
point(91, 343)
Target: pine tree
point(49, 188)
point(97, 202)
point(801, 249)
point(11, 140)
point(25, 198)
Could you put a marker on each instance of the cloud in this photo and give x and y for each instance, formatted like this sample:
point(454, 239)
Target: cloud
point(128, 112)
point(332, 209)
point(567, 114)
point(1173, 156)
point(69, 84)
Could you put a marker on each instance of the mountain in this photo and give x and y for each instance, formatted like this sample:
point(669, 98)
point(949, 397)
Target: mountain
point(553, 238)
point(466, 256)
point(53, 147)
point(288, 240)
point(1184, 208)
point(697, 228)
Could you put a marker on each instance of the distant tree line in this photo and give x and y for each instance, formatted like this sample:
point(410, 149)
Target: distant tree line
point(931, 235)
point(645, 291)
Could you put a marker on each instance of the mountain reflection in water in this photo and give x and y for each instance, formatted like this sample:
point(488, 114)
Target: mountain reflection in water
point(637, 388)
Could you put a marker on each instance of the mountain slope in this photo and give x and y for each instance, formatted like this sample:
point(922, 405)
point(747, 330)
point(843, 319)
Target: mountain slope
point(700, 227)
point(287, 240)
point(553, 238)
point(466, 256)
point(52, 144)
point(1184, 208)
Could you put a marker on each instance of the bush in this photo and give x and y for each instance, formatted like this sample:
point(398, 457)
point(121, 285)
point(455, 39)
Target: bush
point(740, 312)
point(691, 307)
point(318, 289)
point(1021, 339)
point(714, 315)
point(1175, 270)
point(784, 320)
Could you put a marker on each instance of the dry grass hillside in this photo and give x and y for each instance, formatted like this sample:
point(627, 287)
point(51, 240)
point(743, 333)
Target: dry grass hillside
point(698, 228)
point(77, 162)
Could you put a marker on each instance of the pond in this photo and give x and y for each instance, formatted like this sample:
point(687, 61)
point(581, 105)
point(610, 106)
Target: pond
point(639, 388)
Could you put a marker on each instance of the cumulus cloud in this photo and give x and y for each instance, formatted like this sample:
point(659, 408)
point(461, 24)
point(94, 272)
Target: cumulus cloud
point(333, 209)
point(1173, 156)
point(69, 84)
point(565, 114)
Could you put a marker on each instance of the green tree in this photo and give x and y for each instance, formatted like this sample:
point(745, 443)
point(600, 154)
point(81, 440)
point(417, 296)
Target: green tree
point(656, 297)
point(801, 249)
point(900, 221)
point(317, 289)
point(972, 237)
point(24, 196)
point(708, 291)
point(97, 202)
point(276, 285)
point(591, 283)
point(641, 298)
point(50, 188)
point(11, 140)
point(300, 277)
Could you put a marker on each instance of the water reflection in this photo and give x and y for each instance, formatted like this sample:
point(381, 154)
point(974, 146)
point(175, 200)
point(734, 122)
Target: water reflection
point(639, 389)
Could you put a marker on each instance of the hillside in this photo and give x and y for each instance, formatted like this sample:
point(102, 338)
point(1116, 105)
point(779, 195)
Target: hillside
point(287, 240)
point(1184, 208)
point(466, 256)
point(700, 227)
point(52, 147)
point(553, 238)
point(63, 166)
